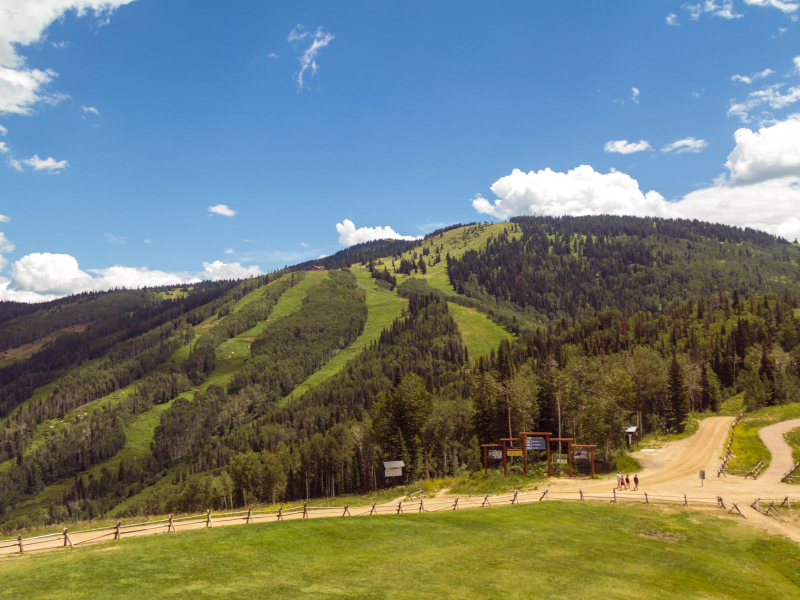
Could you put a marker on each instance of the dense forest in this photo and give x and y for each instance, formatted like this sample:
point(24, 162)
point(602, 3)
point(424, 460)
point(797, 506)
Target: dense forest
point(617, 321)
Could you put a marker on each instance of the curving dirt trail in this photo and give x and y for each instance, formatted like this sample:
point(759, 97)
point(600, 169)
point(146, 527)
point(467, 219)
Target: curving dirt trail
point(781, 462)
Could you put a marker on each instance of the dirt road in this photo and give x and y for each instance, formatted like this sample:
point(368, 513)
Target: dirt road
point(781, 462)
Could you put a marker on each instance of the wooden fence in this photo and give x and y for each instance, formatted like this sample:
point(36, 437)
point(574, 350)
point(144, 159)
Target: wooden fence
point(790, 476)
point(725, 470)
point(768, 508)
point(67, 539)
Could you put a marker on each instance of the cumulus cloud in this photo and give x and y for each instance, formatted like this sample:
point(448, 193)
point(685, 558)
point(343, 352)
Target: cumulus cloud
point(672, 19)
point(626, 147)
point(3, 148)
point(349, 235)
point(221, 270)
point(49, 164)
point(742, 79)
point(761, 188)
point(308, 59)
point(581, 191)
point(221, 209)
point(635, 95)
point(771, 96)
point(24, 23)
point(4, 219)
point(685, 145)
point(39, 277)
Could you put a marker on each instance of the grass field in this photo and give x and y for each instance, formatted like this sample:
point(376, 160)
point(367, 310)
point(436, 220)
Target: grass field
point(793, 439)
point(548, 550)
point(478, 331)
point(747, 446)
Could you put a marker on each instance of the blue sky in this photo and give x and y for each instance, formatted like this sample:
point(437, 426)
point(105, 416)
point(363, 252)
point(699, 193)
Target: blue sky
point(124, 122)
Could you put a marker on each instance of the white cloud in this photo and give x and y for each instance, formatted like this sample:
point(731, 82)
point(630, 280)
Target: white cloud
point(769, 153)
point(626, 147)
point(685, 145)
point(796, 61)
point(4, 219)
point(635, 95)
point(49, 164)
point(781, 5)
point(724, 9)
point(221, 209)
point(115, 239)
point(229, 251)
point(749, 79)
point(349, 235)
point(220, 270)
point(3, 130)
point(147, 241)
point(5, 245)
point(304, 245)
point(14, 163)
point(321, 256)
point(672, 19)
point(742, 79)
point(581, 191)
point(761, 189)
point(308, 59)
point(39, 277)
point(25, 22)
point(3, 148)
point(763, 74)
point(90, 109)
point(769, 96)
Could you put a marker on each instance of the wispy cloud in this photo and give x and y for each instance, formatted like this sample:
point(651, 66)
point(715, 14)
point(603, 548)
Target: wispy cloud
point(672, 19)
point(49, 164)
point(626, 147)
point(724, 9)
point(221, 209)
point(113, 238)
point(90, 109)
point(14, 163)
point(308, 59)
point(635, 95)
point(685, 145)
point(304, 245)
point(229, 251)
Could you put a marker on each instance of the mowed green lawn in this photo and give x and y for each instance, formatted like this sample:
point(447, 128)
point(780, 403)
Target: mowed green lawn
point(551, 550)
point(747, 446)
point(478, 331)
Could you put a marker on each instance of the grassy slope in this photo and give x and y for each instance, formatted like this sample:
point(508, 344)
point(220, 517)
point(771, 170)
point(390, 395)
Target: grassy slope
point(548, 550)
point(231, 356)
point(12, 355)
point(384, 307)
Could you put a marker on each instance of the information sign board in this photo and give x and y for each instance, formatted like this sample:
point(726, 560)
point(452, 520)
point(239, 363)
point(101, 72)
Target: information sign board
point(560, 458)
point(580, 455)
point(497, 454)
point(514, 452)
point(535, 443)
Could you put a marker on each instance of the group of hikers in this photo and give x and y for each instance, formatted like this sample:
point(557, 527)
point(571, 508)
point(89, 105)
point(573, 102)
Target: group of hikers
point(624, 482)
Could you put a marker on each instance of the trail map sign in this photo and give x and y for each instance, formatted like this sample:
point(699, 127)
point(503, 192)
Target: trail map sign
point(514, 452)
point(497, 454)
point(536, 443)
point(580, 455)
point(560, 458)
point(393, 468)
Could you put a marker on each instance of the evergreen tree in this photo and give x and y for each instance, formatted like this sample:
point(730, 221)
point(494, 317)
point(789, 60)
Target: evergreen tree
point(678, 400)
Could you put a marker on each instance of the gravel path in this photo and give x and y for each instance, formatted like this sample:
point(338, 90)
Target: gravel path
point(781, 462)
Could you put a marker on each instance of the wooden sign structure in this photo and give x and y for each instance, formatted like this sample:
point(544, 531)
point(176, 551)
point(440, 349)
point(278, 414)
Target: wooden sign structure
point(504, 440)
point(569, 453)
point(591, 454)
point(525, 435)
point(485, 458)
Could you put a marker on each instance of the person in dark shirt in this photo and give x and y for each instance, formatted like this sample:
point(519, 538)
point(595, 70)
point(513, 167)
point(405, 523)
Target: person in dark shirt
point(635, 482)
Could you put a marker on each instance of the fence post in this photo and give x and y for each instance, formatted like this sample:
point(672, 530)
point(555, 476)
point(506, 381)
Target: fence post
point(542, 496)
point(615, 496)
point(399, 507)
point(685, 500)
point(486, 501)
point(421, 507)
point(514, 499)
point(346, 512)
point(67, 539)
point(581, 492)
point(170, 525)
point(208, 518)
point(249, 516)
point(455, 506)
point(373, 509)
point(19, 541)
point(305, 510)
point(116, 533)
point(646, 500)
point(280, 513)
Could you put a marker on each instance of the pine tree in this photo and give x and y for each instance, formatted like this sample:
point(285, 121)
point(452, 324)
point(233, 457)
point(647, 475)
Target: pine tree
point(677, 398)
point(705, 389)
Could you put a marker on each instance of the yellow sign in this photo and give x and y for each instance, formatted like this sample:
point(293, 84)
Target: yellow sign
point(513, 452)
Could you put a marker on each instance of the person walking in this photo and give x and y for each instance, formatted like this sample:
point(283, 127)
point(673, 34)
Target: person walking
point(627, 482)
point(619, 477)
point(635, 482)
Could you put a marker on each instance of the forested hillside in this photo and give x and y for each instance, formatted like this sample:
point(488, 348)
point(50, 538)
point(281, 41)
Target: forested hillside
point(212, 396)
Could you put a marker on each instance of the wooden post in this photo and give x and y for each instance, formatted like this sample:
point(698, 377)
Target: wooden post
point(67, 539)
point(455, 506)
point(569, 456)
point(581, 492)
point(280, 513)
point(208, 518)
point(400, 507)
point(373, 509)
point(514, 499)
point(19, 541)
point(116, 533)
point(524, 454)
point(615, 495)
point(485, 464)
point(305, 510)
point(685, 501)
point(486, 501)
point(591, 459)
point(249, 516)
point(646, 501)
point(345, 510)
point(505, 468)
point(549, 466)
point(543, 495)
point(421, 508)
